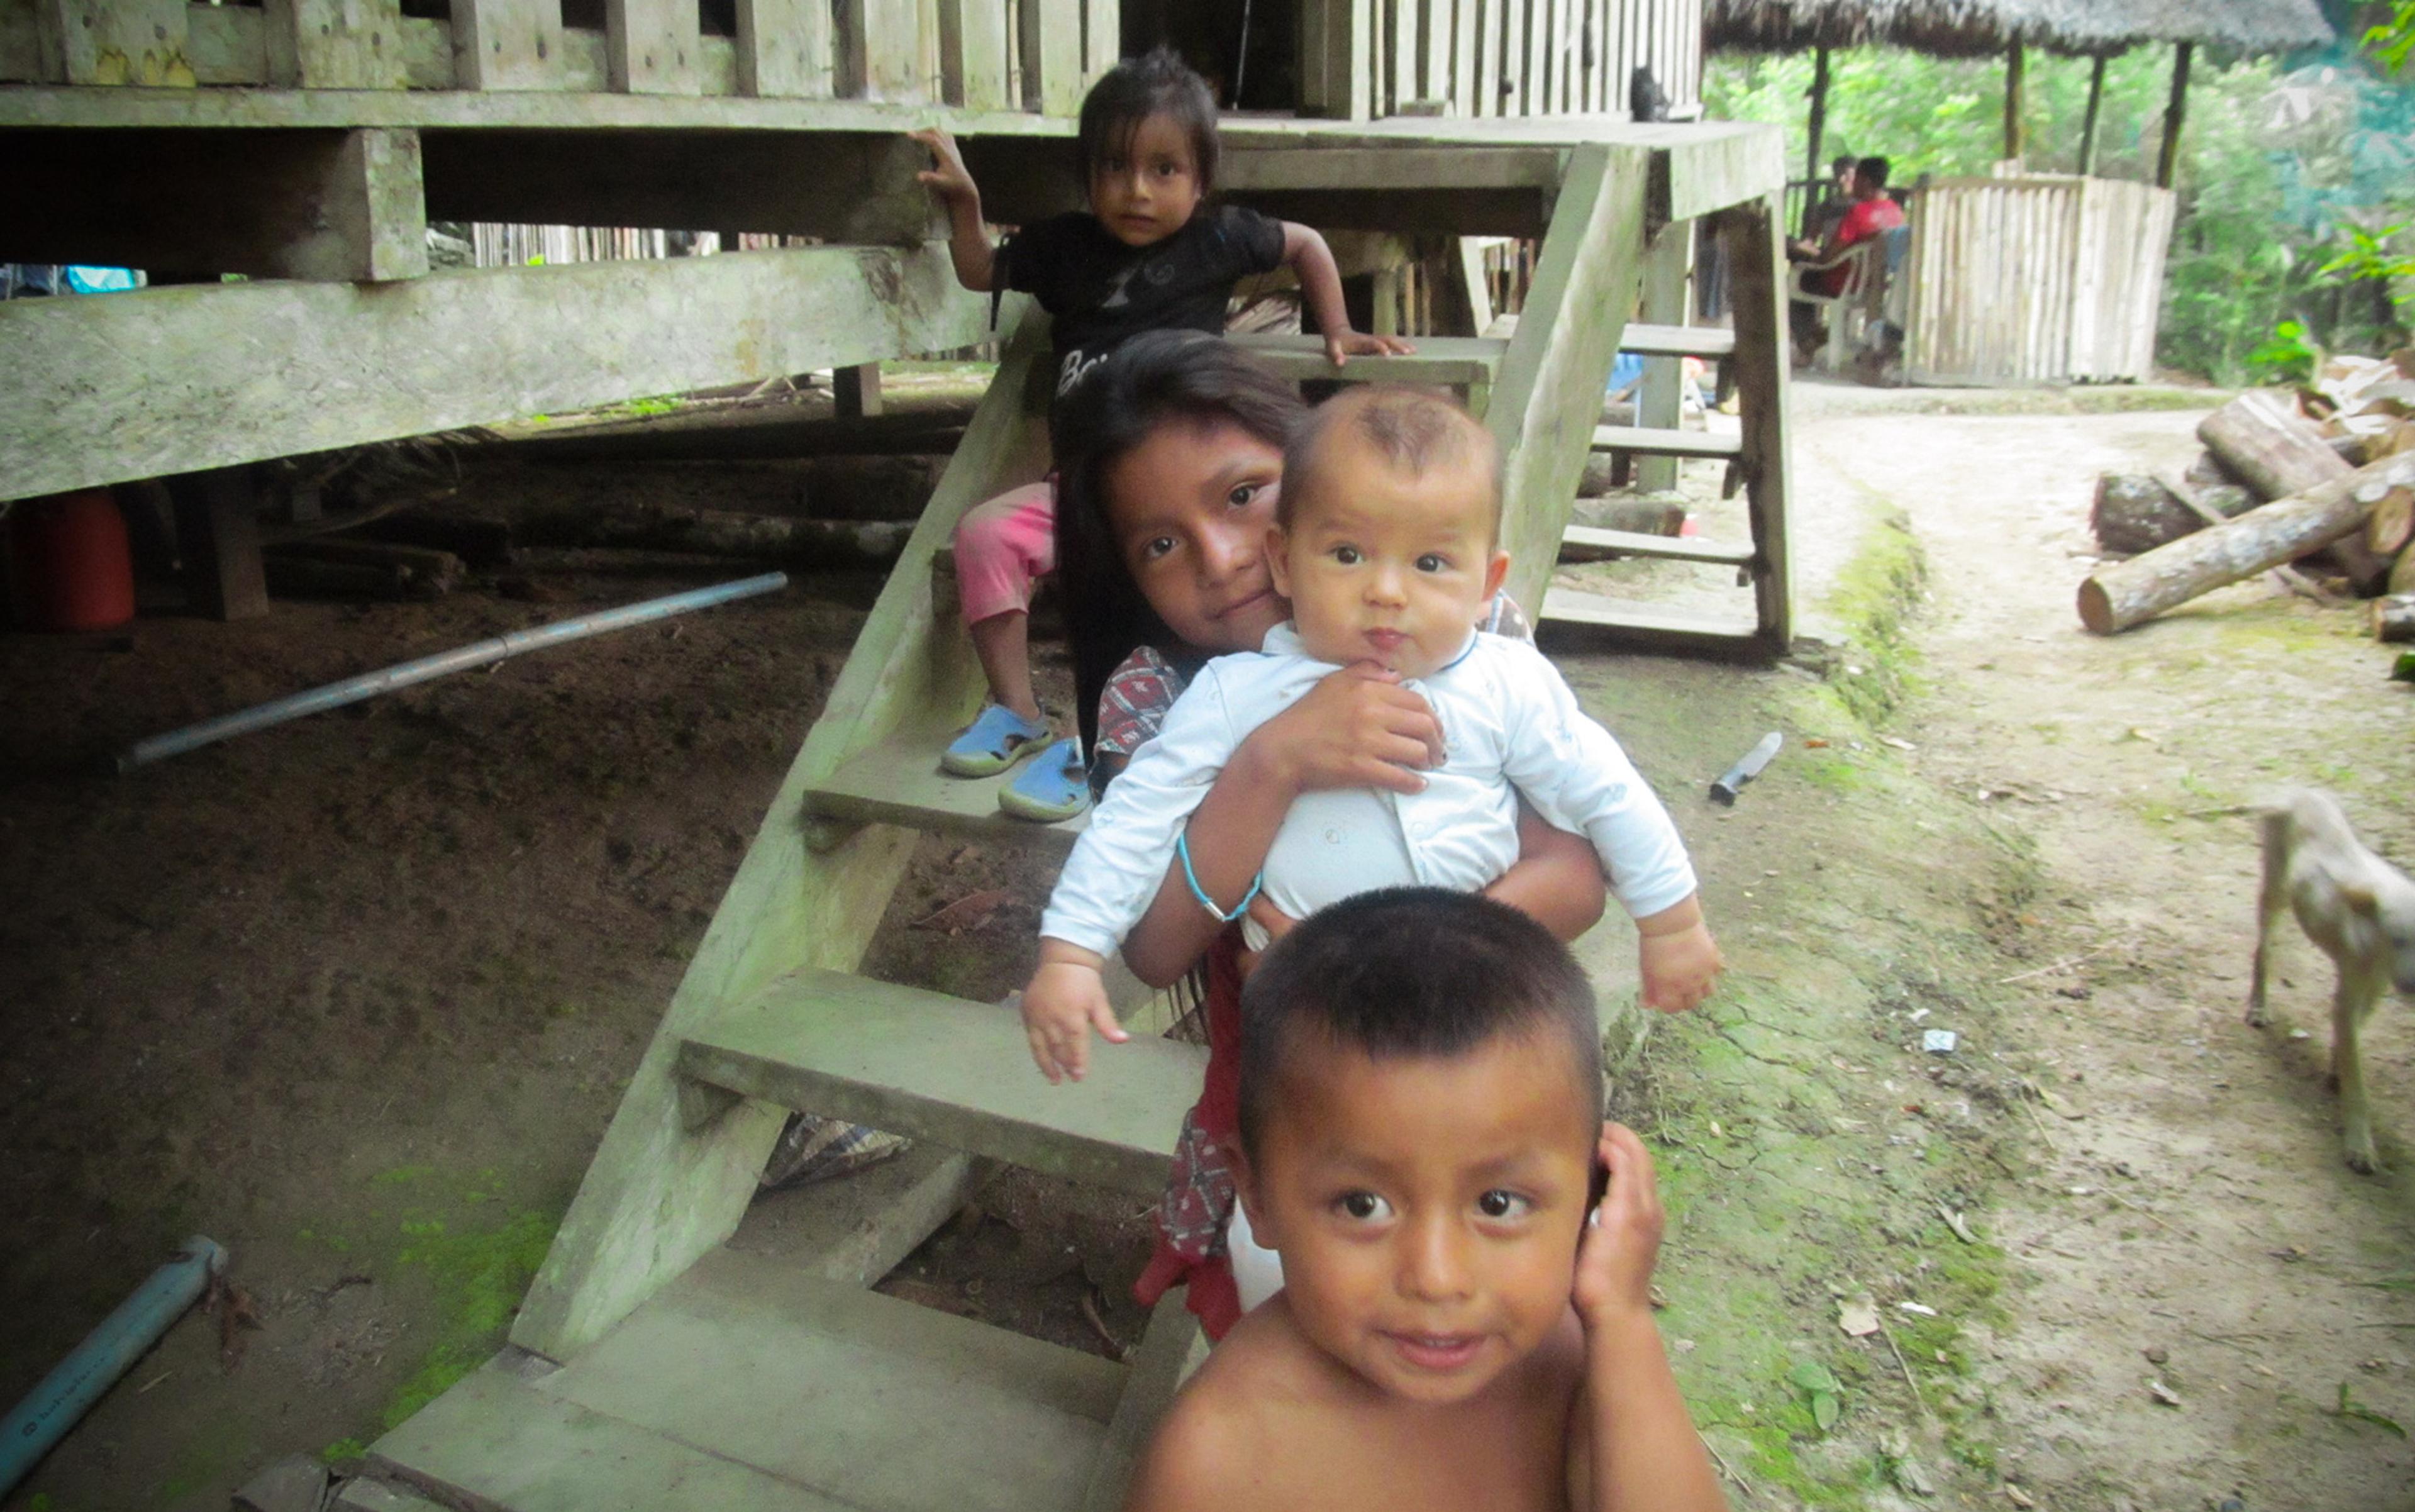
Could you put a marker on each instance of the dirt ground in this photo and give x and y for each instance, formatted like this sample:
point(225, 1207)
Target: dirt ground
point(355, 997)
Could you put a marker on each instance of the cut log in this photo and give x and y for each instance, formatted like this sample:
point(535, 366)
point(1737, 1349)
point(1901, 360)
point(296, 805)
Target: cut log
point(2402, 573)
point(415, 572)
point(2394, 617)
point(2207, 471)
point(2134, 512)
point(1647, 514)
point(309, 577)
point(2115, 597)
point(2393, 524)
point(2261, 438)
point(771, 431)
point(808, 544)
point(2280, 454)
point(481, 542)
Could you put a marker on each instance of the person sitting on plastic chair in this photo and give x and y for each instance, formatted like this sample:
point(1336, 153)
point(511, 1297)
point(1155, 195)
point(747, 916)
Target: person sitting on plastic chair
point(1831, 270)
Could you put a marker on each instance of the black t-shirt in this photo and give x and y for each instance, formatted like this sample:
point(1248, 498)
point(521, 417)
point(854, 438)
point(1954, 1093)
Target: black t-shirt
point(1099, 292)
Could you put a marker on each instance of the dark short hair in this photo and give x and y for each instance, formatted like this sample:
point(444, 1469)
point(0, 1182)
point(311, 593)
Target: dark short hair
point(1844, 161)
point(1156, 379)
point(1412, 973)
point(1872, 171)
point(1411, 428)
point(1158, 82)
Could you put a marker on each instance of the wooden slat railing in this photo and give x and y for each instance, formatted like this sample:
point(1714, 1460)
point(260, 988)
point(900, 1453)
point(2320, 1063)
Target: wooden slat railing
point(1364, 59)
point(1035, 56)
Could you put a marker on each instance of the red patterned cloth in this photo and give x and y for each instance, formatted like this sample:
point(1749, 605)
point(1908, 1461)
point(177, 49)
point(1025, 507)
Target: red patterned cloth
point(1133, 703)
point(1199, 1196)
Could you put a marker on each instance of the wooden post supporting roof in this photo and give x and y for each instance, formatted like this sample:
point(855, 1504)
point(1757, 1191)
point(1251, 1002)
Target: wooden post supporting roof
point(2088, 126)
point(2175, 117)
point(1814, 130)
point(2015, 67)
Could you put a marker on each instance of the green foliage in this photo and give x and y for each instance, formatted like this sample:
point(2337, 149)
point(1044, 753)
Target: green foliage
point(2354, 1411)
point(2368, 255)
point(2392, 41)
point(2283, 177)
point(2285, 356)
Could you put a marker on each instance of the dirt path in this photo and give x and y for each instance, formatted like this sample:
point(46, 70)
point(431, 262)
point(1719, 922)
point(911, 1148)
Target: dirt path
point(2187, 1220)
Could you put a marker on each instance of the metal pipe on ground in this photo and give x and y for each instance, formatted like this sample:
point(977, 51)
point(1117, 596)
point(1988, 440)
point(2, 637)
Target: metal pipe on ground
point(69, 1391)
point(444, 663)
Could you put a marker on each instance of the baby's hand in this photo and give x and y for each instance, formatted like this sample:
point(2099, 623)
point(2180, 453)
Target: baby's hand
point(1340, 346)
point(946, 177)
point(1622, 1240)
point(1067, 998)
point(1680, 962)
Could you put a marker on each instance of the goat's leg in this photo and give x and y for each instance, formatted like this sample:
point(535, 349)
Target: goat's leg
point(2351, 1004)
point(2272, 901)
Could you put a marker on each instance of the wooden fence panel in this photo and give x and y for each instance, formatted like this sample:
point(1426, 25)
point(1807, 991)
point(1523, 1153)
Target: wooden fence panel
point(974, 57)
point(2036, 279)
point(784, 48)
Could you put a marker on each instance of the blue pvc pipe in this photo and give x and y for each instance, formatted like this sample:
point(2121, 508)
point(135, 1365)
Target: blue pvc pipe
point(69, 1392)
point(369, 684)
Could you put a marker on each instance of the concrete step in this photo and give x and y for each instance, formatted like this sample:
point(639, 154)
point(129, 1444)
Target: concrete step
point(1450, 360)
point(1665, 547)
point(1676, 340)
point(1657, 627)
point(953, 1072)
point(898, 781)
point(747, 1383)
point(1652, 440)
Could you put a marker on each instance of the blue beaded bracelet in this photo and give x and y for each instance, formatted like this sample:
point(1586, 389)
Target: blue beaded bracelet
point(1182, 849)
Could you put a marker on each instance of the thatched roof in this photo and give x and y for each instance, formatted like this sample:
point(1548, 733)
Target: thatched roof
point(1955, 28)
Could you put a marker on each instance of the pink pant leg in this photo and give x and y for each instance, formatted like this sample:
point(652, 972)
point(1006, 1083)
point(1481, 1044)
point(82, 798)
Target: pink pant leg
point(1003, 547)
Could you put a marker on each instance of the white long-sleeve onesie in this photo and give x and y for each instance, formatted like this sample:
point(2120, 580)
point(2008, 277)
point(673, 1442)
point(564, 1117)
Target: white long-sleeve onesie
point(1511, 725)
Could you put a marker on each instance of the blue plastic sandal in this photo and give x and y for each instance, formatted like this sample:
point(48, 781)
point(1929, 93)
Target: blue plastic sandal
point(995, 741)
point(1053, 788)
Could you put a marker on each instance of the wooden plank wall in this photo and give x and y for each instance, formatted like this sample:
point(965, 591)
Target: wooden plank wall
point(1038, 56)
point(1363, 59)
point(2035, 279)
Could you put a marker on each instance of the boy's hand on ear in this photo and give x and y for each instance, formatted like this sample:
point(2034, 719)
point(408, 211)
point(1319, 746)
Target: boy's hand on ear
point(1066, 1001)
point(948, 176)
point(1340, 346)
point(1622, 1240)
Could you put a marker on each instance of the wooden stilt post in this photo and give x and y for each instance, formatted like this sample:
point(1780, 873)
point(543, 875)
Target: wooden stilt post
point(855, 392)
point(2088, 127)
point(1813, 131)
point(217, 532)
point(2015, 66)
point(1661, 401)
point(2175, 116)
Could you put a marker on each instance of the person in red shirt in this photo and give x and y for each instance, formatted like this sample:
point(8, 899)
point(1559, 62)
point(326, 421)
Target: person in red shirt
point(1873, 215)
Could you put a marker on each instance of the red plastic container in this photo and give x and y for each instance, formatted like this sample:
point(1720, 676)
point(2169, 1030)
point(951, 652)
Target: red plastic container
point(71, 567)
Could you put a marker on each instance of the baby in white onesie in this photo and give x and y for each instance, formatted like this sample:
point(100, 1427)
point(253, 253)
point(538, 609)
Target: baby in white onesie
point(1387, 548)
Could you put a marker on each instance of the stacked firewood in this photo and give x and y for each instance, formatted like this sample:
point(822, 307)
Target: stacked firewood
point(2323, 476)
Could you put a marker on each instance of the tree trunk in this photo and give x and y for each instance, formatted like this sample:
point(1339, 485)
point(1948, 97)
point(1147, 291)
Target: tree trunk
point(795, 542)
point(413, 572)
point(2393, 503)
point(2261, 437)
point(2402, 573)
point(2394, 617)
point(2114, 598)
point(476, 539)
point(2136, 513)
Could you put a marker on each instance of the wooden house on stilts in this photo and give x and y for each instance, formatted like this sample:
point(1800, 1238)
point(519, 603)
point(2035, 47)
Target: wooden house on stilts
point(307, 143)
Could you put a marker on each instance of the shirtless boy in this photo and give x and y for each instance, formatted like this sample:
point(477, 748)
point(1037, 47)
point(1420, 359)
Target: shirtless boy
point(1420, 1122)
